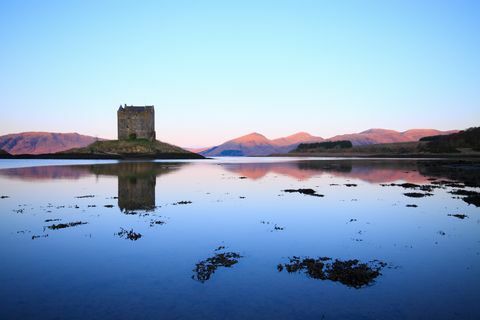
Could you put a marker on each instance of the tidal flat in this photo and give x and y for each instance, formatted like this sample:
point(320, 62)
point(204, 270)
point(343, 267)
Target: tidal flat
point(236, 238)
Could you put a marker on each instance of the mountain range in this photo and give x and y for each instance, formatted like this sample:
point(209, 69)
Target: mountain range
point(43, 142)
point(256, 144)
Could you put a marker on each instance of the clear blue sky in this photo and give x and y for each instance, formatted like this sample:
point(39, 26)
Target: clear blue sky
point(219, 69)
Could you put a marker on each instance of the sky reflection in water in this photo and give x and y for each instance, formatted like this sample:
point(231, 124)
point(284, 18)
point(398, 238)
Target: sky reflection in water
point(88, 271)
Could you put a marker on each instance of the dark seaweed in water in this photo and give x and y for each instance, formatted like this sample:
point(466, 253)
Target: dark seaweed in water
point(129, 234)
point(461, 192)
point(408, 185)
point(472, 197)
point(411, 206)
point(65, 225)
point(458, 215)
point(475, 200)
point(351, 273)
point(40, 236)
point(426, 187)
point(182, 202)
point(204, 269)
point(277, 228)
point(156, 222)
point(309, 192)
point(417, 194)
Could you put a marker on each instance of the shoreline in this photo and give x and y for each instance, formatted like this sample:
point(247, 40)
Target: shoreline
point(383, 156)
point(76, 156)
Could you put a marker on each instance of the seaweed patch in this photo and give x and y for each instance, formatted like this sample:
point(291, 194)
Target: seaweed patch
point(206, 268)
point(351, 273)
point(65, 225)
point(309, 192)
point(129, 234)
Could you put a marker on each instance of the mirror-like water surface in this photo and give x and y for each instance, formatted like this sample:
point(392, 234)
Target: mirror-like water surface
point(240, 238)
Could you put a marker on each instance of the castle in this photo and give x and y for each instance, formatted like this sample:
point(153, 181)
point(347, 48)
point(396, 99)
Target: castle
point(136, 122)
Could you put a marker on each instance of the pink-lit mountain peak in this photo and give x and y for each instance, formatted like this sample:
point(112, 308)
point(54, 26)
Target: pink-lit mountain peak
point(251, 138)
point(255, 144)
point(379, 131)
point(296, 138)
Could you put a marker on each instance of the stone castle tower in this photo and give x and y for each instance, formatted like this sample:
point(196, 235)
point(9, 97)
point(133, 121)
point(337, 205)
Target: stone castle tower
point(136, 122)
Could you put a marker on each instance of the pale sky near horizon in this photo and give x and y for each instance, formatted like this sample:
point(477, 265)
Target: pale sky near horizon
point(216, 70)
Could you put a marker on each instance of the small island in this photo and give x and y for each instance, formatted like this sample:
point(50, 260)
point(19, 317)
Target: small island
point(136, 140)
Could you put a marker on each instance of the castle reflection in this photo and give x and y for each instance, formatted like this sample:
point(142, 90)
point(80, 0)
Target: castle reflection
point(136, 182)
point(136, 193)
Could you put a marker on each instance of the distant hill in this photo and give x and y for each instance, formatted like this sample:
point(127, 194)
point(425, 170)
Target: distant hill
point(43, 142)
point(255, 144)
point(297, 138)
point(250, 144)
point(376, 136)
point(460, 144)
point(466, 139)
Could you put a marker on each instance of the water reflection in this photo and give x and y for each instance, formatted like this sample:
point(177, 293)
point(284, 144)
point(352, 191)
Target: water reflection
point(65, 246)
point(368, 170)
point(136, 180)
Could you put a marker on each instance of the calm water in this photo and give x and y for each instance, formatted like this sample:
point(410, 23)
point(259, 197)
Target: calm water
point(188, 212)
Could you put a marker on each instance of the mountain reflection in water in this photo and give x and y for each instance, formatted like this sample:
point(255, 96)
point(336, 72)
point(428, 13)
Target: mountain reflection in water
point(136, 180)
point(143, 174)
point(128, 240)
